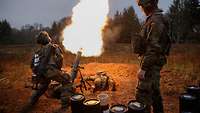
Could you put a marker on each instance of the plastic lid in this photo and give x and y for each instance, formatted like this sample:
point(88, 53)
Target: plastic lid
point(118, 108)
point(188, 97)
point(77, 97)
point(194, 87)
point(91, 102)
point(136, 105)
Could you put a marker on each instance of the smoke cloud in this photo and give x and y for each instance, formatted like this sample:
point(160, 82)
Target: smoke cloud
point(110, 35)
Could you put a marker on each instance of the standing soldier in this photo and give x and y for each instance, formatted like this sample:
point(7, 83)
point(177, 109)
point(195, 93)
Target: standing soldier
point(46, 66)
point(152, 46)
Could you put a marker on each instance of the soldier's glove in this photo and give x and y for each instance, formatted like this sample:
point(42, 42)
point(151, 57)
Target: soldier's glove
point(141, 74)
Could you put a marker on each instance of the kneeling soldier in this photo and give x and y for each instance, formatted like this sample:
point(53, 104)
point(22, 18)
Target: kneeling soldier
point(46, 66)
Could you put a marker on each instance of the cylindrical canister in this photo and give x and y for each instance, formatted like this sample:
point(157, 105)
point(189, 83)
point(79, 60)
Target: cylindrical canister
point(186, 112)
point(92, 106)
point(188, 103)
point(136, 107)
point(119, 108)
point(193, 90)
point(104, 102)
point(77, 103)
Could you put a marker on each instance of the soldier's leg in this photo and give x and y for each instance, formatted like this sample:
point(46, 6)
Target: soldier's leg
point(66, 93)
point(142, 96)
point(56, 75)
point(65, 97)
point(157, 102)
point(34, 97)
point(39, 92)
point(157, 98)
point(144, 92)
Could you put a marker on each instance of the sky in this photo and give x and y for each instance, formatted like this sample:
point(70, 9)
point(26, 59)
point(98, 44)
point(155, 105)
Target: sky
point(21, 12)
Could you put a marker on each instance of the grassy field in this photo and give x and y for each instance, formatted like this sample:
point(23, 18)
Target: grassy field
point(183, 69)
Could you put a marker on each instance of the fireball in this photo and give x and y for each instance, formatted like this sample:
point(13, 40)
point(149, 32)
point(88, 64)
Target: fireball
point(88, 19)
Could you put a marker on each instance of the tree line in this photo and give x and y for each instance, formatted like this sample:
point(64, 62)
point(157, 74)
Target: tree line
point(27, 33)
point(118, 29)
point(183, 17)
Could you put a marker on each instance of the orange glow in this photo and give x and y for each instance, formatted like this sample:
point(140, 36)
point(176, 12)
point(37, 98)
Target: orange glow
point(88, 19)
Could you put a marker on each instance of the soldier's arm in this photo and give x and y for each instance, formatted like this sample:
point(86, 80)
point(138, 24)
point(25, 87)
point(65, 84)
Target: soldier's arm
point(153, 48)
point(90, 78)
point(112, 84)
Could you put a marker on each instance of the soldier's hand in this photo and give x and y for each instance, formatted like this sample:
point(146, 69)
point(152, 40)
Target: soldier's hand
point(141, 74)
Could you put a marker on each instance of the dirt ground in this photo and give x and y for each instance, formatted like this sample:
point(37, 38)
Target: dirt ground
point(183, 69)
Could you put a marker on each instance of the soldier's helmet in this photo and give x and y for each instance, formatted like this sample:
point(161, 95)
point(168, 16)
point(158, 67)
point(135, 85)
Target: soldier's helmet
point(100, 73)
point(43, 38)
point(147, 3)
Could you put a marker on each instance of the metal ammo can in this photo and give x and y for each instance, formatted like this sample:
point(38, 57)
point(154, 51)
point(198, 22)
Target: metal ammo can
point(118, 108)
point(77, 103)
point(195, 91)
point(92, 106)
point(136, 107)
point(188, 103)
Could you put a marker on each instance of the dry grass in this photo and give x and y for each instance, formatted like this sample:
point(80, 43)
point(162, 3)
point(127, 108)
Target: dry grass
point(182, 69)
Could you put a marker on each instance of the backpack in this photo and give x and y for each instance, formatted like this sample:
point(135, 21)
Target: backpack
point(58, 56)
point(42, 57)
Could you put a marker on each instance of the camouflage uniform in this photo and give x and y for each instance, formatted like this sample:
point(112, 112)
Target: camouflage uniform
point(50, 70)
point(153, 32)
point(102, 81)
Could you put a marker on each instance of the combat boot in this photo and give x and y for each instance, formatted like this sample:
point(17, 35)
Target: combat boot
point(158, 107)
point(157, 103)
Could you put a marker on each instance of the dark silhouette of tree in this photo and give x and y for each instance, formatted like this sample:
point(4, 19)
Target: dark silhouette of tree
point(184, 16)
point(27, 33)
point(56, 31)
point(5, 28)
point(130, 25)
point(120, 28)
